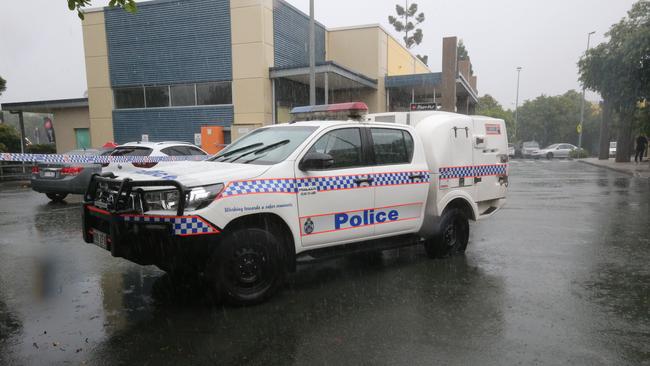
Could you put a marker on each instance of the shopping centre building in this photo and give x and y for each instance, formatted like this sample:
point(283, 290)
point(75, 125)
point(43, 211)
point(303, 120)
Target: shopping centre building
point(175, 66)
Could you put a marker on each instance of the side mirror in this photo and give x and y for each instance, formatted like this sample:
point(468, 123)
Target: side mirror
point(316, 161)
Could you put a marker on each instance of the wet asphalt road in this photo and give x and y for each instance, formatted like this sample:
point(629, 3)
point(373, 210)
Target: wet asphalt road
point(559, 276)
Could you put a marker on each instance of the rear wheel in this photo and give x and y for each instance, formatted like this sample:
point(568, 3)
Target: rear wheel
point(56, 197)
point(453, 236)
point(247, 268)
point(549, 156)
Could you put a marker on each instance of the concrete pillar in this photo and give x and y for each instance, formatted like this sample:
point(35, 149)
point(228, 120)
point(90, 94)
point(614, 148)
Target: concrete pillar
point(100, 95)
point(252, 55)
point(449, 72)
point(464, 69)
point(473, 81)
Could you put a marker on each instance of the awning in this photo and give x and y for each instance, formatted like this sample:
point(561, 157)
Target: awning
point(335, 76)
point(45, 106)
point(426, 83)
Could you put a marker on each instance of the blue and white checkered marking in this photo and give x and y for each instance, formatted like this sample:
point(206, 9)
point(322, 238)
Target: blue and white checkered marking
point(260, 186)
point(322, 184)
point(472, 171)
point(93, 159)
point(184, 225)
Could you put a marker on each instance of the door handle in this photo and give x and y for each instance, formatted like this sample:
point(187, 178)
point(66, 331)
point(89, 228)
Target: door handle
point(416, 176)
point(358, 181)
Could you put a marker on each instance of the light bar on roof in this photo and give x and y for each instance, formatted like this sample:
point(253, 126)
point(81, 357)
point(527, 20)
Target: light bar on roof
point(339, 111)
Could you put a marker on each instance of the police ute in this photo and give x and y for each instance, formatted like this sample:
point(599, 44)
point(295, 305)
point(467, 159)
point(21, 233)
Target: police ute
point(336, 181)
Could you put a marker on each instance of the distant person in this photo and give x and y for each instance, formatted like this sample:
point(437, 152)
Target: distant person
point(641, 144)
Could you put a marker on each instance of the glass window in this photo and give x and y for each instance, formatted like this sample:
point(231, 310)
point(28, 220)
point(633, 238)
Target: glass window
point(157, 96)
point(174, 151)
point(183, 95)
point(343, 145)
point(129, 97)
point(195, 151)
point(391, 146)
point(131, 151)
point(265, 146)
point(213, 93)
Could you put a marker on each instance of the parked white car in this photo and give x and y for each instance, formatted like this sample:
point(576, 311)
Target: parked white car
point(528, 148)
point(612, 149)
point(554, 151)
point(511, 150)
point(141, 148)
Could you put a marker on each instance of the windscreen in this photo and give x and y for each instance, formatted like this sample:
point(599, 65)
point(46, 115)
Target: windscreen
point(131, 151)
point(265, 146)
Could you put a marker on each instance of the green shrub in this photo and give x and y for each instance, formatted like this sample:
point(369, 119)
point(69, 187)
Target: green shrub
point(579, 154)
point(41, 149)
point(3, 148)
point(9, 138)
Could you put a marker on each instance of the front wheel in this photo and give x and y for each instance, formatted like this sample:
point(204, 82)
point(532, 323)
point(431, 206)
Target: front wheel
point(247, 267)
point(549, 156)
point(56, 197)
point(453, 236)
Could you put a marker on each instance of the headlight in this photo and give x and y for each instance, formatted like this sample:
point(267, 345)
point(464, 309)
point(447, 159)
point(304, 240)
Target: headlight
point(196, 199)
point(200, 197)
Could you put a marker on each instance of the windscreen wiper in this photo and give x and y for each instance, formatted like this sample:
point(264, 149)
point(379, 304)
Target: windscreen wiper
point(261, 150)
point(236, 151)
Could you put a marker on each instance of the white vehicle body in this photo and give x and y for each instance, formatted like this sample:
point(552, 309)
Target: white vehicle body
point(528, 148)
point(456, 161)
point(150, 149)
point(554, 151)
point(511, 150)
point(612, 149)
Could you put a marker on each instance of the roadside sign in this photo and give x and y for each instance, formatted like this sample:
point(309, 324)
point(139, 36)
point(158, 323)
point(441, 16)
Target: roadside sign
point(424, 106)
point(197, 139)
point(145, 138)
point(579, 128)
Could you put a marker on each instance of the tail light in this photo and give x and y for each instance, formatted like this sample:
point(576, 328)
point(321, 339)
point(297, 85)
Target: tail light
point(71, 170)
point(35, 170)
point(144, 165)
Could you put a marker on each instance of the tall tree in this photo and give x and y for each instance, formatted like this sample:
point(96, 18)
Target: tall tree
point(553, 119)
point(620, 71)
point(406, 22)
point(79, 5)
point(3, 85)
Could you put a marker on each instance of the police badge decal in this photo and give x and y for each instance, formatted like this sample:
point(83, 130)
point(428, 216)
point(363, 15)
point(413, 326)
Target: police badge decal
point(308, 227)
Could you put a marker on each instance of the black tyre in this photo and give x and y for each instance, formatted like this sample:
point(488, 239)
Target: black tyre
point(248, 267)
point(56, 197)
point(549, 156)
point(453, 236)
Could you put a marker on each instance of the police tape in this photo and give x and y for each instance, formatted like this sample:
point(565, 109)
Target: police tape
point(93, 159)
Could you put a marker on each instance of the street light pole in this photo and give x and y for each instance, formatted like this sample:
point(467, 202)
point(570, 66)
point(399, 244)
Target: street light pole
point(312, 55)
point(582, 102)
point(517, 101)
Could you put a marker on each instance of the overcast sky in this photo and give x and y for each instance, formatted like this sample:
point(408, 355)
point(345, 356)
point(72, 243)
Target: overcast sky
point(41, 50)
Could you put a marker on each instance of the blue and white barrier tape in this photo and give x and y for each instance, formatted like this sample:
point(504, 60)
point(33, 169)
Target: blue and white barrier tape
point(93, 159)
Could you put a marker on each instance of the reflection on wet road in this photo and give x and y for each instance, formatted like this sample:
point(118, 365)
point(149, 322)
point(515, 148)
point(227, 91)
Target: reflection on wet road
point(560, 276)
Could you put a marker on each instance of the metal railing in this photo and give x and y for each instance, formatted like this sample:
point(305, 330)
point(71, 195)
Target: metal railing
point(14, 171)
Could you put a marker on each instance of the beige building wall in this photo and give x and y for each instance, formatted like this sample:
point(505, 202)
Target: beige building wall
point(100, 96)
point(345, 47)
point(401, 61)
point(65, 122)
point(252, 55)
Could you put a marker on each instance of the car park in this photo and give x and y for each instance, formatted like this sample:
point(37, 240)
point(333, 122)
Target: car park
point(58, 180)
point(294, 193)
point(554, 151)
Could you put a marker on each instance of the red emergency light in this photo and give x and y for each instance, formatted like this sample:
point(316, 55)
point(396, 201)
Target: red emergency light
point(338, 111)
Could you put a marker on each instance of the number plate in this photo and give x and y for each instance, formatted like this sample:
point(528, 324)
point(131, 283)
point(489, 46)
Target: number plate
point(48, 174)
point(99, 239)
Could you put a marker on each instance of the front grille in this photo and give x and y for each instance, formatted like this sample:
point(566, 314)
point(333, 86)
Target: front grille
point(108, 197)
